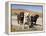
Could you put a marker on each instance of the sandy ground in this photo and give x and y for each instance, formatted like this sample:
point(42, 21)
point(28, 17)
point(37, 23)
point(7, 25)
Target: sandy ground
point(18, 27)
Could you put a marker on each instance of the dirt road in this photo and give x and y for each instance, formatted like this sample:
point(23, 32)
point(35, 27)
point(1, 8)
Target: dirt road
point(18, 27)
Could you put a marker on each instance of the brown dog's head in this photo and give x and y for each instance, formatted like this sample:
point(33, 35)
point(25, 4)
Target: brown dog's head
point(37, 16)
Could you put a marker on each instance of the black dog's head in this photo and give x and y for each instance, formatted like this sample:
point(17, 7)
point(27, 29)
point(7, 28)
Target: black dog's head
point(37, 16)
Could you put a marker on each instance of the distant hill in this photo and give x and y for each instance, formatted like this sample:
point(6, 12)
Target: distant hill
point(17, 11)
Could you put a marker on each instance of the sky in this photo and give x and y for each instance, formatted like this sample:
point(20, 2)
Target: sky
point(28, 7)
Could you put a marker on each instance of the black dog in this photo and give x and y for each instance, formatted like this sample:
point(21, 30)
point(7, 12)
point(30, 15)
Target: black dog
point(20, 17)
point(33, 20)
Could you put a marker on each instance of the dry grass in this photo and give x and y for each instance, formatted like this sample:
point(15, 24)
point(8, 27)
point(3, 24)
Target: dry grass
point(12, 29)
